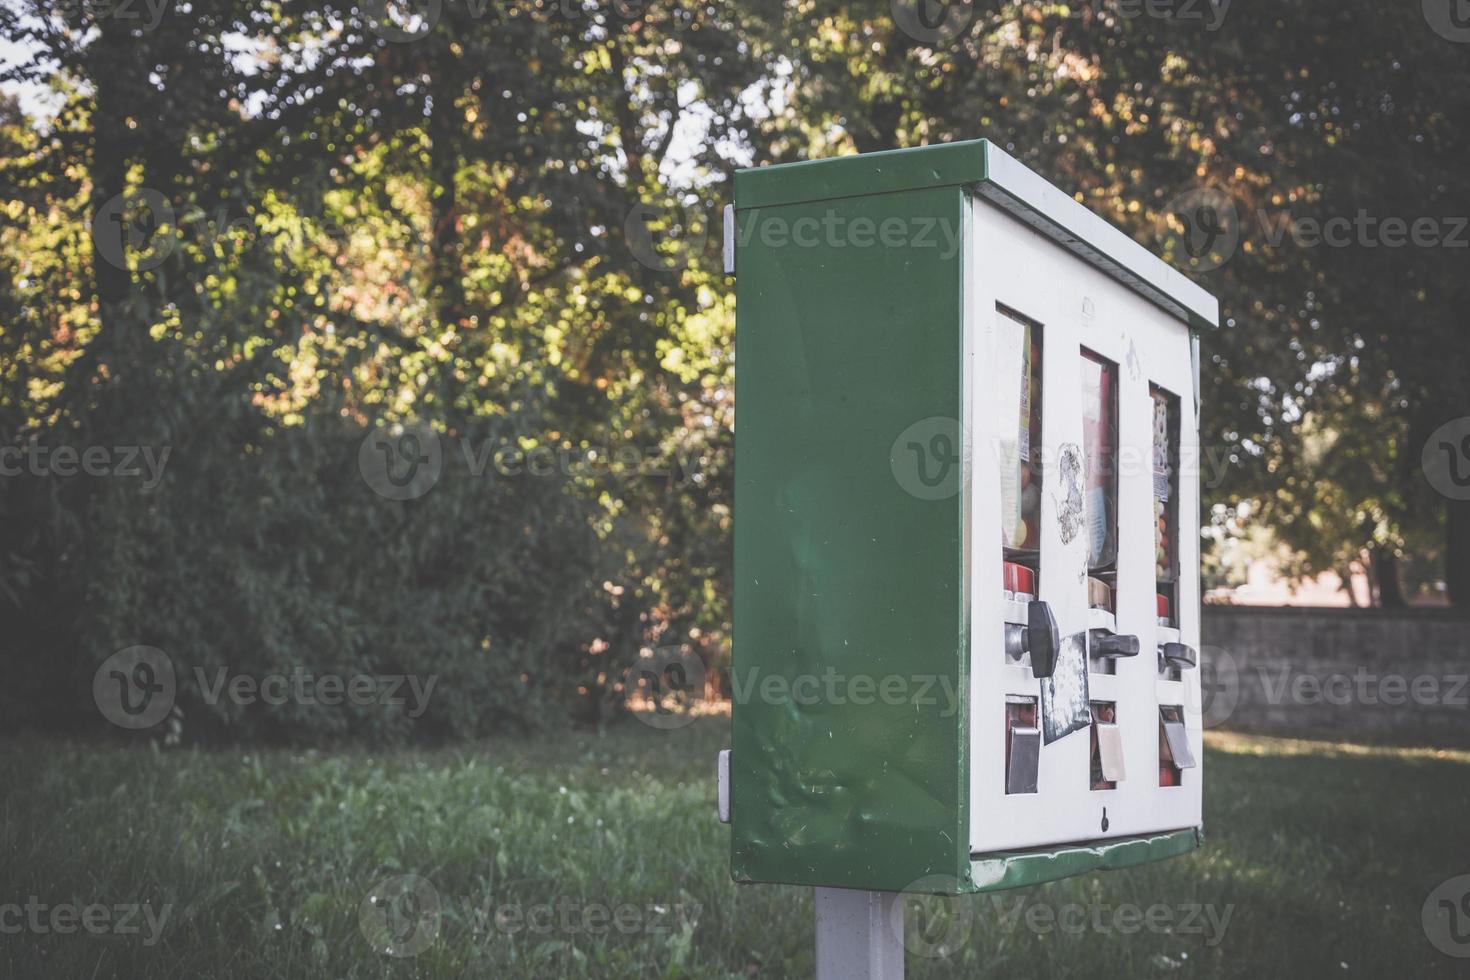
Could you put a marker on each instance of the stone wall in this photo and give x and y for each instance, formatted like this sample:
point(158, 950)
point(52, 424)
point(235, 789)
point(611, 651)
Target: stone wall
point(1356, 675)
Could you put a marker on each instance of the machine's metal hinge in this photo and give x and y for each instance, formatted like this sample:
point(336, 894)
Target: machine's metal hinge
point(723, 791)
point(729, 240)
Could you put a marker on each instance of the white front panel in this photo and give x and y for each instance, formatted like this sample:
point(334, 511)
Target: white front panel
point(1077, 306)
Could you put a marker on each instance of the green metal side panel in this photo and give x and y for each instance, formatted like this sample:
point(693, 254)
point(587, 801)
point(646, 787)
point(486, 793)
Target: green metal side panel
point(996, 872)
point(991, 172)
point(885, 172)
point(839, 572)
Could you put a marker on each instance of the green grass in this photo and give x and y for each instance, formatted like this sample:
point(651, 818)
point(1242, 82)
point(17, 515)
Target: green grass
point(1323, 856)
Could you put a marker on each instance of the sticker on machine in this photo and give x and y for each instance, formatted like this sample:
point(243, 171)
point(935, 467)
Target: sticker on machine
point(1066, 705)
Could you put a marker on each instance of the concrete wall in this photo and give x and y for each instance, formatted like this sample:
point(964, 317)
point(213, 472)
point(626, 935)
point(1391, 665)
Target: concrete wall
point(1356, 675)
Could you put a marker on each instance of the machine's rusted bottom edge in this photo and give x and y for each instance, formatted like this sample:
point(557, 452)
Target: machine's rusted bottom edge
point(1015, 869)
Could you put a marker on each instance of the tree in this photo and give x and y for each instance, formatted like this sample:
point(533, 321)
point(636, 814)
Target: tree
point(1313, 114)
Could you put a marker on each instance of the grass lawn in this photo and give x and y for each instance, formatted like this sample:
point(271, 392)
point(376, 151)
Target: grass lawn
point(580, 855)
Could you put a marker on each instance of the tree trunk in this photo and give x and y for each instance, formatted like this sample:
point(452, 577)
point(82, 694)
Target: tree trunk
point(1457, 552)
point(1347, 583)
point(444, 134)
point(112, 148)
point(630, 136)
point(1385, 574)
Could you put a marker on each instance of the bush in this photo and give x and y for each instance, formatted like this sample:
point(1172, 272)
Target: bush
point(279, 558)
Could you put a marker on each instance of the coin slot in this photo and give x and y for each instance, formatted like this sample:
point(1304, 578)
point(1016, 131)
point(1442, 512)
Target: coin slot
point(1023, 745)
point(1175, 754)
point(1107, 768)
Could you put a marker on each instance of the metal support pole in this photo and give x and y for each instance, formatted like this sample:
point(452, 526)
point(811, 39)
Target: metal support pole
point(859, 935)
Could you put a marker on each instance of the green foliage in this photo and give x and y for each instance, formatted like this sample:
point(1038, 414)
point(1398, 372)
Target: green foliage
point(344, 230)
point(1299, 112)
point(324, 245)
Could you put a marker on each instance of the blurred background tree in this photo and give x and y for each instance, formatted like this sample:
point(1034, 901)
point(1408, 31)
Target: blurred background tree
point(1291, 117)
point(499, 220)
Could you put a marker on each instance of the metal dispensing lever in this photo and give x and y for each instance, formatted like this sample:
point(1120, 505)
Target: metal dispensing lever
point(1043, 638)
point(1040, 637)
point(1106, 643)
point(1179, 655)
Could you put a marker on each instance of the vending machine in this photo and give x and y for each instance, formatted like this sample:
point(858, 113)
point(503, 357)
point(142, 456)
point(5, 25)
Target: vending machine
point(966, 578)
